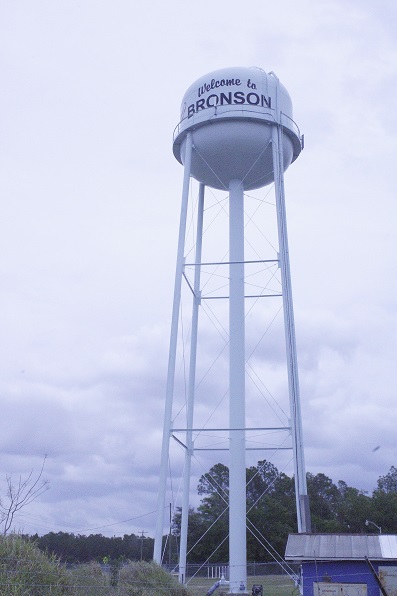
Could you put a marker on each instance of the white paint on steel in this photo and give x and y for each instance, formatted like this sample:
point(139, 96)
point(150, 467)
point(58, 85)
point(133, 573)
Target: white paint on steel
point(236, 133)
point(230, 113)
point(191, 389)
point(290, 340)
point(237, 468)
point(157, 556)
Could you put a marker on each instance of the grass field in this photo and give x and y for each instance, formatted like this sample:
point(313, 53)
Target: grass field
point(273, 585)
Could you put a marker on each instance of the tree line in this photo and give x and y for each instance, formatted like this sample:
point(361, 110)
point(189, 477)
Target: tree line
point(79, 548)
point(271, 516)
point(271, 511)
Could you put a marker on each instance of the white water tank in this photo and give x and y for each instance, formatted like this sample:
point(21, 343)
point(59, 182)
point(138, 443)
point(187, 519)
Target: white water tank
point(231, 113)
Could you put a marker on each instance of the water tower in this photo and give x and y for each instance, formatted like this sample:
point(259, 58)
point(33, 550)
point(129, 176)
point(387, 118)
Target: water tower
point(236, 134)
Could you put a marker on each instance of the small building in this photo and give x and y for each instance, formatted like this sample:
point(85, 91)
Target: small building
point(345, 564)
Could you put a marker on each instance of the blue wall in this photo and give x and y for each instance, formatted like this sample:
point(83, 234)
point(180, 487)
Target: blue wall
point(344, 572)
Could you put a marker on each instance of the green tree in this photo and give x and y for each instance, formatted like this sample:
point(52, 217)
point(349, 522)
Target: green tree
point(214, 507)
point(84, 549)
point(384, 512)
point(214, 485)
point(388, 483)
point(354, 508)
point(197, 543)
point(384, 503)
point(324, 499)
point(271, 512)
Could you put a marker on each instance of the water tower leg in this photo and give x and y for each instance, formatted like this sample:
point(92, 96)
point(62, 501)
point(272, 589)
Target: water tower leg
point(302, 500)
point(191, 389)
point(237, 469)
point(158, 540)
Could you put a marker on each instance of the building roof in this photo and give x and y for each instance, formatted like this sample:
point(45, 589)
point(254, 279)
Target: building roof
point(338, 547)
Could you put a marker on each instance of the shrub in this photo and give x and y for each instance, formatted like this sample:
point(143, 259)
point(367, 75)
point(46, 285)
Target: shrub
point(146, 579)
point(88, 580)
point(24, 569)
point(27, 571)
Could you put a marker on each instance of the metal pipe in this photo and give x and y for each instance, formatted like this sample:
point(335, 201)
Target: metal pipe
point(237, 470)
point(302, 500)
point(157, 554)
point(191, 388)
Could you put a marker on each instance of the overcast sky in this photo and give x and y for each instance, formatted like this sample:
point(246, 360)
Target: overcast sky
point(90, 197)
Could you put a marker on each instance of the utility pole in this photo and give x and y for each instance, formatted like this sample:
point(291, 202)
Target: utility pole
point(169, 539)
point(143, 532)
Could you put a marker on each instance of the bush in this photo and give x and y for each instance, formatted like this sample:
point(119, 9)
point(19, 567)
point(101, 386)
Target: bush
point(88, 580)
point(27, 571)
point(148, 579)
point(24, 569)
